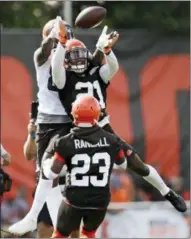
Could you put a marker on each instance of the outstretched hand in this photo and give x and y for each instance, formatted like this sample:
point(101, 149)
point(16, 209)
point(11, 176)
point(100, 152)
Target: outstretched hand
point(60, 30)
point(106, 41)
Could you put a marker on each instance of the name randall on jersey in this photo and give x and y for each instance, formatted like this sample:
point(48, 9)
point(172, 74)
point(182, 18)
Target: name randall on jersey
point(80, 143)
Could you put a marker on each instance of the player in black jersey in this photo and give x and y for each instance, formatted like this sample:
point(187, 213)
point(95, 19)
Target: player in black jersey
point(89, 153)
point(79, 77)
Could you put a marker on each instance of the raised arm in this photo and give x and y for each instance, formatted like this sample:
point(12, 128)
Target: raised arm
point(58, 32)
point(110, 68)
point(105, 44)
point(97, 57)
point(57, 64)
point(41, 54)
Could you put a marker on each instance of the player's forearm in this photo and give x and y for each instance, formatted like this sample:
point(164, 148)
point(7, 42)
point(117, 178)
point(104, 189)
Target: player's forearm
point(30, 149)
point(108, 70)
point(45, 50)
point(98, 57)
point(58, 70)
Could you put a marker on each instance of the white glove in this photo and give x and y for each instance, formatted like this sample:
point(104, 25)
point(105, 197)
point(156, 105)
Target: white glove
point(103, 39)
point(61, 30)
point(57, 24)
point(58, 31)
point(106, 41)
point(55, 30)
point(54, 33)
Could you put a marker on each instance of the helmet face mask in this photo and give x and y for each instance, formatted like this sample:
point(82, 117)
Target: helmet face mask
point(77, 60)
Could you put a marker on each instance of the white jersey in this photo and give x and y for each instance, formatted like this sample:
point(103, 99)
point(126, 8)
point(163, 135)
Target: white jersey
point(49, 102)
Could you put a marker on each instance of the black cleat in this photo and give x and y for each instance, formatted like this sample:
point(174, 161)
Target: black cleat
point(176, 200)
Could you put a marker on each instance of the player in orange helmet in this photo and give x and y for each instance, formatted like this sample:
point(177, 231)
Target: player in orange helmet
point(81, 78)
point(86, 111)
point(87, 192)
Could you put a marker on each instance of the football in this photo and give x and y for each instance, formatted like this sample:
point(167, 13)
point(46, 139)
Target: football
point(90, 17)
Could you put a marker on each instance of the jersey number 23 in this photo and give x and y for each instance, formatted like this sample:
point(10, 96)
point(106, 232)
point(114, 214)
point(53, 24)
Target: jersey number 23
point(87, 180)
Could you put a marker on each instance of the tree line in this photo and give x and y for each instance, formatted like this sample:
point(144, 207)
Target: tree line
point(168, 16)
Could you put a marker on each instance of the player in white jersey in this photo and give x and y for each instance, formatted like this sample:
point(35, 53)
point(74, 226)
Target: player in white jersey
point(52, 120)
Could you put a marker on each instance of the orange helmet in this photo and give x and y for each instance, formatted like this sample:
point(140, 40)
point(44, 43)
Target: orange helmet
point(76, 58)
point(86, 110)
point(49, 26)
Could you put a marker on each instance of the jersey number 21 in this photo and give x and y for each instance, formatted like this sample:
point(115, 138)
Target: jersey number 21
point(90, 91)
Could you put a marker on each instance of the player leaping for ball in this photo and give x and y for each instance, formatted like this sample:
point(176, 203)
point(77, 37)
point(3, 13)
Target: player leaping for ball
point(52, 118)
point(79, 77)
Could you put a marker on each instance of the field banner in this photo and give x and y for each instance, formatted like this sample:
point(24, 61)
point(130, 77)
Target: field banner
point(152, 222)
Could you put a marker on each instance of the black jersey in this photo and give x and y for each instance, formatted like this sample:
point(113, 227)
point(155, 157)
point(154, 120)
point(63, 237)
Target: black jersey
point(89, 154)
point(76, 86)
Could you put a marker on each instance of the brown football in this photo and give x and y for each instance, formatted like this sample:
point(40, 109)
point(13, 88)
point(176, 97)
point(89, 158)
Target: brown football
point(90, 17)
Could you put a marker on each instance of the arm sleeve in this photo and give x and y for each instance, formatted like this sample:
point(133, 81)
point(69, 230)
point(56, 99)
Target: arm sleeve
point(120, 159)
point(59, 151)
point(58, 70)
point(108, 70)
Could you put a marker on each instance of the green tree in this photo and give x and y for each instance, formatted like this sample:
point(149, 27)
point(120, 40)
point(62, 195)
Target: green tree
point(167, 16)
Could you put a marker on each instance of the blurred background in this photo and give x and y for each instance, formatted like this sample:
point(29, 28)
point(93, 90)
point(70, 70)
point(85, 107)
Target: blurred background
point(148, 100)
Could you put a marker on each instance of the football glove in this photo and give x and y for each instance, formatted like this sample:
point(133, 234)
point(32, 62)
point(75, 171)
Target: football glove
point(106, 41)
point(61, 30)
